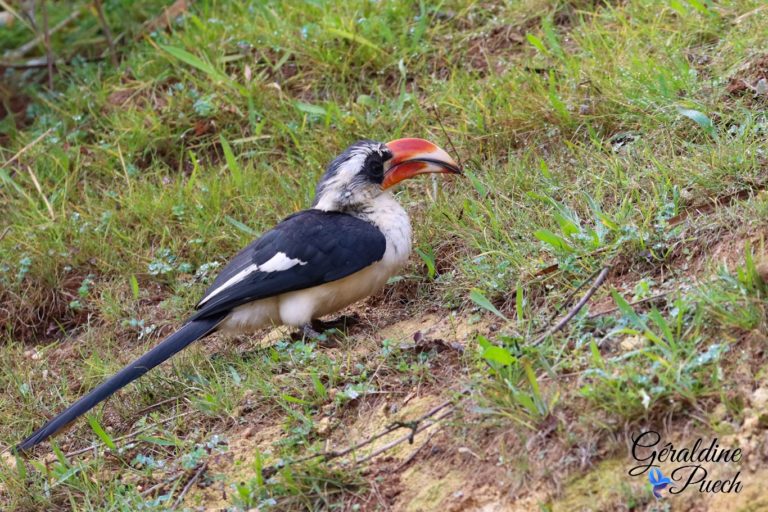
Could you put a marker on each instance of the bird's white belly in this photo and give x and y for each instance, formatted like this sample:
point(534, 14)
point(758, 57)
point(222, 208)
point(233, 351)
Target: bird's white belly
point(300, 307)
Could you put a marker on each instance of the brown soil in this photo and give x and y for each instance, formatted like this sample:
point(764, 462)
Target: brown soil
point(745, 80)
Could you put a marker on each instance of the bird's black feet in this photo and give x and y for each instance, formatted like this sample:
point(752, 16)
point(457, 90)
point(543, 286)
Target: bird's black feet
point(309, 332)
point(323, 339)
point(340, 323)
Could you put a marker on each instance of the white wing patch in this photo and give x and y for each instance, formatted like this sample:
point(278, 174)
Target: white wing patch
point(276, 263)
point(279, 262)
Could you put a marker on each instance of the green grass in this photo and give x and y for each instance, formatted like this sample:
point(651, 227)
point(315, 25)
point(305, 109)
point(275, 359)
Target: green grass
point(586, 128)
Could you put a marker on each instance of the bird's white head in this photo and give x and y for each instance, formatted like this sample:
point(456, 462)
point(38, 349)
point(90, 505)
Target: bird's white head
point(367, 168)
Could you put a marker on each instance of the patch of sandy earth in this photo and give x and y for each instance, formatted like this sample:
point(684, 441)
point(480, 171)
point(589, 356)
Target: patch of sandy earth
point(372, 417)
point(608, 487)
point(729, 251)
point(752, 438)
point(233, 466)
point(428, 488)
point(449, 327)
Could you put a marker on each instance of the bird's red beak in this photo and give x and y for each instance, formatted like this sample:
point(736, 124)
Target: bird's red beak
point(411, 157)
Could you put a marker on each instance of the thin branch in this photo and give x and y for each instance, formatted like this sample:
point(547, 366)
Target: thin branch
point(445, 133)
point(748, 14)
point(47, 37)
point(417, 450)
point(189, 485)
point(641, 301)
point(584, 299)
point(400, 440)
point(107, 31)
point(158, 485)
point(25, 148)
point(136, 432)
point(573, 293)
point(41, 62)
point(165, 18)
point(40, 191)
point(32, 44)
point(158, 404)
point(9, 11)
point(328, 456)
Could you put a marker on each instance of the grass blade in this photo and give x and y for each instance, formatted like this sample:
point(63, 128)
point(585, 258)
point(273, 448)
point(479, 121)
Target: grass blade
point(477, 296)
point(356, 38)
point(196, 62)
point(234, 167)
point(242, 227)
point(105, 438)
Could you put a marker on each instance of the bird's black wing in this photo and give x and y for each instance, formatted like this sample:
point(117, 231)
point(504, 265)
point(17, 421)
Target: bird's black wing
point(307, 249)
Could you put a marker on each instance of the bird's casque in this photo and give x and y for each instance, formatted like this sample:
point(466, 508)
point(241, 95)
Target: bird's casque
point(313, 263)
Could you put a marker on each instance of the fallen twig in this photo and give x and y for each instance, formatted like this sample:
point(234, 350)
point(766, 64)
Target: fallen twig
point(334, 454)
point(445, 133)
point(107, 31)
point(584, 299)
point(748, 14)
point(41, 62)
point(25, 148)
point(136, 432)
point(641, 301)
point(30, 45)
point(158, 485)
point(417, 451)
point(165, 18)
point(145, 410)
point(402, 439)
point(189, 484)
point(47, 39)
point(713, 203)
point(570, 296)
point(40, 191)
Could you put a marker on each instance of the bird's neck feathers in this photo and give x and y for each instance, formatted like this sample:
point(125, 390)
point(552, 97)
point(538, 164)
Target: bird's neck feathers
point(342, 189)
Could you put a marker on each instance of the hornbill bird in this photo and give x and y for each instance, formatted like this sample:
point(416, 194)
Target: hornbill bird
point(313, 263)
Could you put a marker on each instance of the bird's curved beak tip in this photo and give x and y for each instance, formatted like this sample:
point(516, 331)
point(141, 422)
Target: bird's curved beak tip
point(411, 157)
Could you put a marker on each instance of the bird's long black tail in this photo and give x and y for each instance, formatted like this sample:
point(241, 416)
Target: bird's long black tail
point(188, 333)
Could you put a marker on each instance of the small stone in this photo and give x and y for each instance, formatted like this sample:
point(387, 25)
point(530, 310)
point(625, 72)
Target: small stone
point(764, 446)
point(750, 420)
point(719, 413)
point(632, 343)
point(762, 270)
point(32, 354)
point(323, 426)
point(762, 87)
point(759, 399)
point(9, 460)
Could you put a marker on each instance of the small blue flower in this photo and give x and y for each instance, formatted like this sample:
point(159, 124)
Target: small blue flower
point(658, 481)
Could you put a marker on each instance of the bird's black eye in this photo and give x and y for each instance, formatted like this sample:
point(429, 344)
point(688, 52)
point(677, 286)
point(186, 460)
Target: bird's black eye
point(374, 167)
